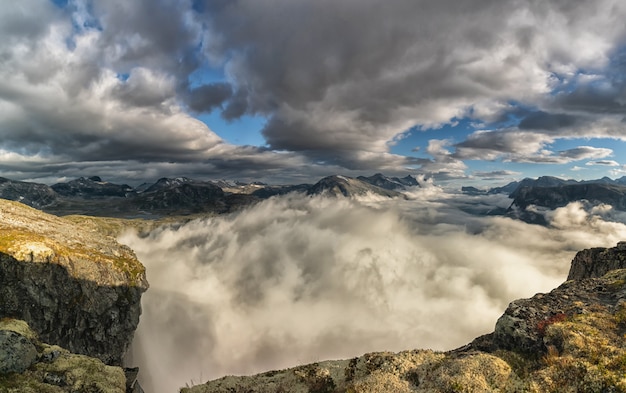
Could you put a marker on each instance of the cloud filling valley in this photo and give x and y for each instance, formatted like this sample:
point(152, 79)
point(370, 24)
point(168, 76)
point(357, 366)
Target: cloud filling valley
point(300, 279)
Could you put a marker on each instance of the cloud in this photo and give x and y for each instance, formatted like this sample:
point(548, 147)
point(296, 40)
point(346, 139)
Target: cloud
point(103, 87)
point(443, 165)
point(585, 152)
point(521, 146)
point(547, 121)
point(338, 81)
point(363, 89)
point(207, 97)
point(603, 163)
point(297, 279)
point(495, 174)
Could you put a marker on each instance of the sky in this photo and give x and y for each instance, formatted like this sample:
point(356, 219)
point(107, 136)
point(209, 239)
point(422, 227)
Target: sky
point(286, 91)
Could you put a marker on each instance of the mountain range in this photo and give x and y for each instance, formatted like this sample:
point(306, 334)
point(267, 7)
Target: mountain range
point(552, 192)
point(181, 195)
point(185, 196)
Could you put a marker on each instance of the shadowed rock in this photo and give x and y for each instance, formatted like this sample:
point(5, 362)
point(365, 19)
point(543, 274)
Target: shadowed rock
point(596, 262)
point(35, 366)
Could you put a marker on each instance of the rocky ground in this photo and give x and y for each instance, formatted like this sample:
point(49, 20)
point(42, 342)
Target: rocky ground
point(28, 365)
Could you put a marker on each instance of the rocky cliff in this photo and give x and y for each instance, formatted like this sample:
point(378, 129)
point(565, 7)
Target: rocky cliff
point(596, 262)
point(75, 287)
point(569, 340)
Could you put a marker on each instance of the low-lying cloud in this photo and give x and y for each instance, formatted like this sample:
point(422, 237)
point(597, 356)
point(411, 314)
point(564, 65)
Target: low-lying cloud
point(297, 279)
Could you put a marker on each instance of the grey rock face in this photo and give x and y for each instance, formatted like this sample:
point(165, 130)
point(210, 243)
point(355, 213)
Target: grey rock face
point(86, 318)
point(17, 352)
point(596, 262)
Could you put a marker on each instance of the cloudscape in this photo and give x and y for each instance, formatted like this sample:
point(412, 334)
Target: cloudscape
point(298, 280)
point(214, 120)
point(290, 90)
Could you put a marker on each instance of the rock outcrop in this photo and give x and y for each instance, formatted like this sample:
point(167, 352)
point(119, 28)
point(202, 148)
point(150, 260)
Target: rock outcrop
point(569, 340)
point(75, 287)
point(28, 365)
point(596, 262)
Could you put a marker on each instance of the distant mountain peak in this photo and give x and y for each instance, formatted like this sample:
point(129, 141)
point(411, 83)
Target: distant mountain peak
point(390, 183)
point(338, 185)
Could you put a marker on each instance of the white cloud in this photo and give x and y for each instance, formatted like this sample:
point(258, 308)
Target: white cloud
point(297, 280)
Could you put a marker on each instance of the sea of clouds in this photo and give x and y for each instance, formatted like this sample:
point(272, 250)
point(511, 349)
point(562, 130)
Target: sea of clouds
point(298, 279)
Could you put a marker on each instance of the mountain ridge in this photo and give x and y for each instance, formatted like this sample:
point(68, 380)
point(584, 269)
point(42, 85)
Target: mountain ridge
point(181, 195)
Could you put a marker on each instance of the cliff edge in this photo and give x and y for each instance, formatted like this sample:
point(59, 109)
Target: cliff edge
point(569, 340)
point(75, 287)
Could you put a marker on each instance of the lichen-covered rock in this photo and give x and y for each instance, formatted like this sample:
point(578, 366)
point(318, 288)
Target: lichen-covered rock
point(75, 287)
point(17, 352)
point(56, 370)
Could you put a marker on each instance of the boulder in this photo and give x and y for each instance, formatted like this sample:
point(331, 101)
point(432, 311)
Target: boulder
point(17, 352)
point(35, 366)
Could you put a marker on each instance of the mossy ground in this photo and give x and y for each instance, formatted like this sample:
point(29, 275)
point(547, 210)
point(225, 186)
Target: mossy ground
point(33, 236)
point(63, 372)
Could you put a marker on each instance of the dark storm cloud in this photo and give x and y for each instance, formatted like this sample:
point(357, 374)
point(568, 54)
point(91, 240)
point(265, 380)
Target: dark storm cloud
point(144, 89)
point(595, 99)
point(338, 81)
point(339, 75)
point(106, 82)
point(495, 174)
point(159, 34)
point(585, 152)
point(22, 25)
point(205, 98)
point(237, 106)
point(351, 75)
point(603, 163)
point(546, 121)
point(599, 93)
